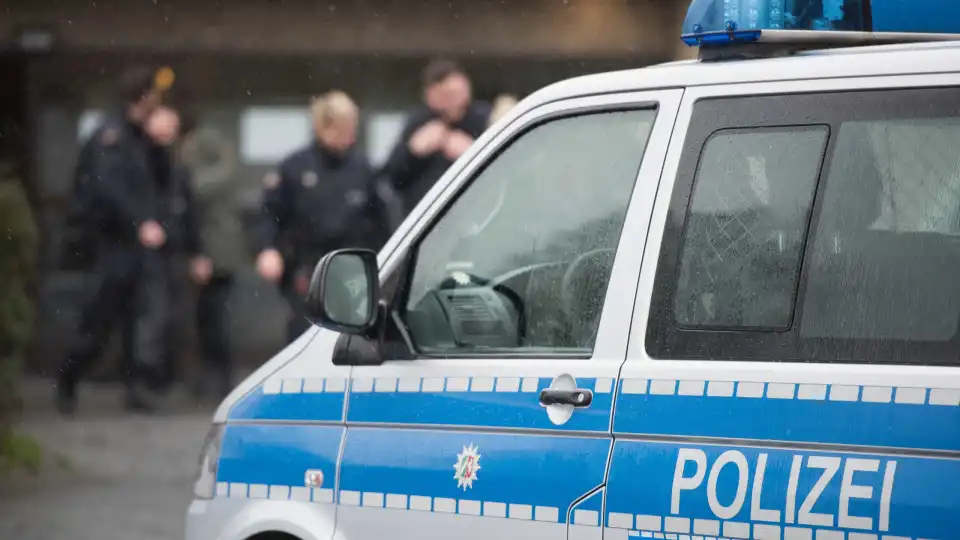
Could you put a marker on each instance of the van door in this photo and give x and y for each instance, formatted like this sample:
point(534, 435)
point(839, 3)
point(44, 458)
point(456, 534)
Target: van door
point(793, 366)
point(497, 423)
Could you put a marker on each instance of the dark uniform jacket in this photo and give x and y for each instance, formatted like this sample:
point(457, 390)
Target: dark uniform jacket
point(175, 206)
point(317, 202)
point(412, 176)
point(119, 181)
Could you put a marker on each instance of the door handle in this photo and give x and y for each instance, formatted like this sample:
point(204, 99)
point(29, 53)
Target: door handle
point(576, 397)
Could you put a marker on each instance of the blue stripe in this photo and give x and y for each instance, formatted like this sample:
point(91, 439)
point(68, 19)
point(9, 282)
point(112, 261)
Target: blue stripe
point(927, 16)
point(488, 409)
point(924, 503)
point(531, 470)
point(927, 427)
point(317, 407)
point(278, 454)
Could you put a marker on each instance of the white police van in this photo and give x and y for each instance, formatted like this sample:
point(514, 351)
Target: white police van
point(709, 299)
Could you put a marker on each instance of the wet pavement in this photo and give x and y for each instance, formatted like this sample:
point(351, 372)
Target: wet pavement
point(107, 474)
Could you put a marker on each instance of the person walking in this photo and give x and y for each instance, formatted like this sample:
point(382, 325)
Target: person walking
point(177, 213)
point(214, 173)
point(320, 198)
point(119, 183)
point(436, 134)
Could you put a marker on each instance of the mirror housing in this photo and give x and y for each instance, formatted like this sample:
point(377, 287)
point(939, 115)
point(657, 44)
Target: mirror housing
point(344, 292)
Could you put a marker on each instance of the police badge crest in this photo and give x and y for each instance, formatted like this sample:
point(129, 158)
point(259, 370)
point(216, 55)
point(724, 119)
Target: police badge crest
point(466, 467)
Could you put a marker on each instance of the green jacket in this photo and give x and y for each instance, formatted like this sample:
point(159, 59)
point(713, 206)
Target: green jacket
point(213, 167)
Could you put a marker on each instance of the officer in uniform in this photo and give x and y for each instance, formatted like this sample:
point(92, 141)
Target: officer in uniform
point(121, 192)
point(435, 135)
point(321, 198)
point(176, 212)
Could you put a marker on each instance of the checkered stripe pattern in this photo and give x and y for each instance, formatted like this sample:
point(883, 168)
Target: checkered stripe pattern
point(274, 493)
point(462, 384)
point(362, 385)
point(395, 501)
point(451, 506)
point(681, 528)
point(948, 397)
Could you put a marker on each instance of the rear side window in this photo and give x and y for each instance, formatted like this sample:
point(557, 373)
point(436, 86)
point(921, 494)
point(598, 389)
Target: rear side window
point(884, 261)
point(746, 225)
point(815, 228)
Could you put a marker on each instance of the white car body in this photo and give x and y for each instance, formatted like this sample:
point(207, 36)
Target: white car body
point(850, 503)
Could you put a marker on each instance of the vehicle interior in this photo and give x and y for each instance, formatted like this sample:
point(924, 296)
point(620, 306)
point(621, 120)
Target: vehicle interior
point(542, 225)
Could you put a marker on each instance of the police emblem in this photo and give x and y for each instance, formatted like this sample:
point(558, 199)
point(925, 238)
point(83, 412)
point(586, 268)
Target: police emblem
point(313, 478)
point(309, 179)
point(465, 470)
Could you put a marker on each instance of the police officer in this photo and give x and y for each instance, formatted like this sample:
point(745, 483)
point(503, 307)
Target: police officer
point(176, 212)
point(436, 134)
point(120, 184)
point(320, 199)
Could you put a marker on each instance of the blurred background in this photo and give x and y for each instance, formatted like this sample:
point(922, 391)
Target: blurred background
point(248, 68)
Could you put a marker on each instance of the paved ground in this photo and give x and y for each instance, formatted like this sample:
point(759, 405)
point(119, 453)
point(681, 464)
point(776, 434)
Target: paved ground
point(124, 477)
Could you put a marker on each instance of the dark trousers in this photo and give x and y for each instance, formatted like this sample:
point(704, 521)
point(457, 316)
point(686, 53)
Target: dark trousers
point(213, 328)
point(134, 288)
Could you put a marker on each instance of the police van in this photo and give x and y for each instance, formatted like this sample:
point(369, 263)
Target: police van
point(715, 298)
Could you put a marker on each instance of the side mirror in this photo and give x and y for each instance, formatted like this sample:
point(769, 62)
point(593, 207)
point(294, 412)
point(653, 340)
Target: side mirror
point(343, 291)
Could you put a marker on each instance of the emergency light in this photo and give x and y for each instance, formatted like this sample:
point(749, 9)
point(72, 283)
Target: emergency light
point(714, 24)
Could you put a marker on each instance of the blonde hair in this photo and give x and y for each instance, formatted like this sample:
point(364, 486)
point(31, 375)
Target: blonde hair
point(332, 106)
point(501, 106)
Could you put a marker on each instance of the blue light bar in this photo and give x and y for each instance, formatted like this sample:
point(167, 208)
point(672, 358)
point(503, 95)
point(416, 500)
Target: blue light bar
point(716, 22)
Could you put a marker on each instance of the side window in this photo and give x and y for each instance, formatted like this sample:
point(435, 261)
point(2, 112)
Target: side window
point(520, 261)
point(746, 226)
point(888, 240)
point(814, 227)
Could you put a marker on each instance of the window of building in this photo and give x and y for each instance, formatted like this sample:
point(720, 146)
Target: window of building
point(270, 134)
point(521, 260)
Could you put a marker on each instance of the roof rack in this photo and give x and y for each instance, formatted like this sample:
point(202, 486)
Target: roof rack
point(738, 45)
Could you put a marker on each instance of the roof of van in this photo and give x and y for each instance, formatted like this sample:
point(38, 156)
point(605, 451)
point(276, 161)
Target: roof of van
point(901, 59)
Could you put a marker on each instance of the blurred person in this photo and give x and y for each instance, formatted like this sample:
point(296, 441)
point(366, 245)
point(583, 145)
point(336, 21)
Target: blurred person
point(118, 183)
point(176, 212)
point(436, 134)
point(321, 198)
point(216, 185)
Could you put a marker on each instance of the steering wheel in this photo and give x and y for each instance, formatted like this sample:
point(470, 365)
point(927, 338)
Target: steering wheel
point(583, 324)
